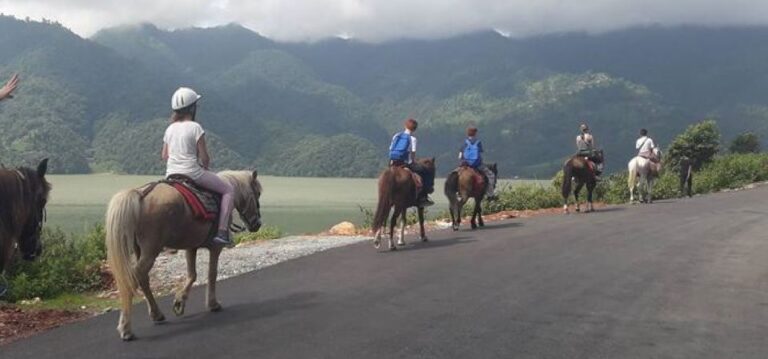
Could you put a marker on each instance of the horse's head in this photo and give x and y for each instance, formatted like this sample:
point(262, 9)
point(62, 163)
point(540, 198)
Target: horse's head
point(495, 170)
point(36, 196)
point(247, 196)
point(657, 153)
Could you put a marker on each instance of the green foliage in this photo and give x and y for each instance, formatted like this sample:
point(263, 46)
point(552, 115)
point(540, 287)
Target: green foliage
point(700, 142)
point(731, 171)
point(264, 233)
point(68, 264)
point(745, 143)
point(524, 196)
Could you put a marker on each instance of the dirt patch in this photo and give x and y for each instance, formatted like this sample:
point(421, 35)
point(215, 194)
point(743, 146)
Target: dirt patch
point(16, 323)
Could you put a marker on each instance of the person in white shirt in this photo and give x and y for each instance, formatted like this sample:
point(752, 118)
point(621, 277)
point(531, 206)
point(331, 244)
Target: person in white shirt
point(645, 146)
point(186, 153)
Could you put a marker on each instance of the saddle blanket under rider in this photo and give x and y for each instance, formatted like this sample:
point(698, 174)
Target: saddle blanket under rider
point(203, 203)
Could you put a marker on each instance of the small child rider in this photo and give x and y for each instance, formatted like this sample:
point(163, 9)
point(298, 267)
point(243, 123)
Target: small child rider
point(402, 152)
point(471, 155)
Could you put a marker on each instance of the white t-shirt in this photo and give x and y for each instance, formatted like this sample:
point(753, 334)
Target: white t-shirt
point(645, 146)
point(181, 139)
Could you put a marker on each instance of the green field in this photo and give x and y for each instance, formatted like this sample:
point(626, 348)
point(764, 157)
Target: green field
point(296, 205)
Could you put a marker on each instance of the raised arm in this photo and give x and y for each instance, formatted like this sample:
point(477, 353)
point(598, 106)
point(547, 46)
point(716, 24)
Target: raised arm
point(7, 90)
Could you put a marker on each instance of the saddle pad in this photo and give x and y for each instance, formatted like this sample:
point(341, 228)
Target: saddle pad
point(204, 204)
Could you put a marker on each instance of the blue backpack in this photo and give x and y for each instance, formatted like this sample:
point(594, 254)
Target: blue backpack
point(472, 153)
point(400, 148)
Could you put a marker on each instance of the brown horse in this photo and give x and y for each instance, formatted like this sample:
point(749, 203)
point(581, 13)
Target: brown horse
point(141, 226)
point(578, 169)
point(398, 189)
point(462, 185)
point(23, 196)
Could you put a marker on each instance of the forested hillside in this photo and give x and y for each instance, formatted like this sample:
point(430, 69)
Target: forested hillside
point(329, 108)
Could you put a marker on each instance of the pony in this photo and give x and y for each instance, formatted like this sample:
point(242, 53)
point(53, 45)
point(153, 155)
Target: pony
point(398, 189)
point(142, 222)
point(23, 196)
point(460, 186)
point(578, 169)
point(648, 171)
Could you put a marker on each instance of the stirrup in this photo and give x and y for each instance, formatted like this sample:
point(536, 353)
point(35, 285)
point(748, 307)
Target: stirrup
point(221, 241)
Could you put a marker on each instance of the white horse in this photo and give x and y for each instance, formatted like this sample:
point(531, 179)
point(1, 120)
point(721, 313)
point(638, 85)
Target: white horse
point(647, 171)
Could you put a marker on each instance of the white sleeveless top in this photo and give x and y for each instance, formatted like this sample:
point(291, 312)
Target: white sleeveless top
point(181, 139)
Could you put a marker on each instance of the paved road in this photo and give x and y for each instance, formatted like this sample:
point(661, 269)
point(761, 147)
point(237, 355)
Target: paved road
point(678, 279)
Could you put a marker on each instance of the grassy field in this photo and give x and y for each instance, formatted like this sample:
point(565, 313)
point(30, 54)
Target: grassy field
point(296, 205)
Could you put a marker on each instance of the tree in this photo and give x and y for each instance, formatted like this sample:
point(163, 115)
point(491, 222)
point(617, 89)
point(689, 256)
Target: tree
point(747, 142)
point(700, 142)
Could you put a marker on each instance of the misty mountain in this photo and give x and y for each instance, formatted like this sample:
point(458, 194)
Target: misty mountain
point(329, 108)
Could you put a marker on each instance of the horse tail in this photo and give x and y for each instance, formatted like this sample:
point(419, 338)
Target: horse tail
point(121, 223)
point(567, 179)
point(386, 186)
point(632, 176)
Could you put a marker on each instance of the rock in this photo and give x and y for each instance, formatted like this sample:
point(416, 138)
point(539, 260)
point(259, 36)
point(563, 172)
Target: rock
point(343, 229)
point(36, 300)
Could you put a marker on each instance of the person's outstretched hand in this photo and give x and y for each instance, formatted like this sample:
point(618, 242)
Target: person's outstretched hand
point(7, 90)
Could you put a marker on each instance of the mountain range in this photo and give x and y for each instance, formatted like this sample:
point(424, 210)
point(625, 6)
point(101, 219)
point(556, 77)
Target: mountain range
point(330, 108)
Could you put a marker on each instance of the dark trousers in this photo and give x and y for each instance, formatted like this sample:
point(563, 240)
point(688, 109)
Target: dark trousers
point(427, 179)
point(686, 181)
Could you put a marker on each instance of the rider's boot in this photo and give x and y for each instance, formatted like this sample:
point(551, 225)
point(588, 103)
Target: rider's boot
point(223, 239)
point(425, 201)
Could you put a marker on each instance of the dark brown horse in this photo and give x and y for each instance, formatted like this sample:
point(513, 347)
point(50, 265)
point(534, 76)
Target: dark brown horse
point(579, 170)
point(462, 185)
point(398, 189)
point(23, 195)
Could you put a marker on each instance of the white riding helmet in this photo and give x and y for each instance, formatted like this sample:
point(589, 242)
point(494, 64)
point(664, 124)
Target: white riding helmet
point(184, 97)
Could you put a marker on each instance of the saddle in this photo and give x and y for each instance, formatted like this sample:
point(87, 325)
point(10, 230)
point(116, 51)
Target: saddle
point(205, 205)
point(415, 176)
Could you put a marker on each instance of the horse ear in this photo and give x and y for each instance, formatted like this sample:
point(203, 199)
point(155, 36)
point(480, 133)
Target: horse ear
point(42, 168)
point(255, 174)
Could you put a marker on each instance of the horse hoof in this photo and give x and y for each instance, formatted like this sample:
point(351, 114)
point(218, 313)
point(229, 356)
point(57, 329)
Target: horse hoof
point(482, 224)
point(578, 209)
point(214, 308)
point(158, 319)
point(376, 243)
point(127, 336)
point(393, 248)
point(474, 226)
point(178, 307)
point(424, 239)
point(401, 243)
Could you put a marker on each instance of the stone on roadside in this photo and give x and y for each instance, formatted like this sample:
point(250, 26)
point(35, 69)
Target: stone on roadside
point(343, 229)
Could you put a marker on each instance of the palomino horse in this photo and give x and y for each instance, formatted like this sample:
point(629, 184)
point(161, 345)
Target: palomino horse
point(647, 171)
point(23, 195)
point(397, 188)
point(578, 169)
point(140, 226)
point(460, 186)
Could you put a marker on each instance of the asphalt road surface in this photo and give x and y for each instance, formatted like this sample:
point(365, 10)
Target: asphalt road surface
point(676, 279)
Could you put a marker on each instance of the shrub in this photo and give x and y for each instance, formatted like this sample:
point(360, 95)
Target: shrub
point(731, 171)
point(700, 142)
point(68, 264)
point(747, 142)
point(524, 196)
point(265, 233)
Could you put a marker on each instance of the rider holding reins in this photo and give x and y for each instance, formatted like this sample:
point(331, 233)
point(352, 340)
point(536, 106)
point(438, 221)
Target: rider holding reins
point(471, 155)
point(585, 145)
point(186, 153)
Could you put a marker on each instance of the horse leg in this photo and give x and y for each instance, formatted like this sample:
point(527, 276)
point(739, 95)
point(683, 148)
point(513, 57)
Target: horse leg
point(590, 188)
point(473, 221)
point(181, 296)
point(650, 189)
point(213, 272)
point(576, 191)
point(421, 225)
point(392, 223)
point(479, 210)
point(146, 261)
point(401, 235)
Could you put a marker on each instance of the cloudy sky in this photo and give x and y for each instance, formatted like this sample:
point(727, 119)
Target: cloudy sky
point(380, 20)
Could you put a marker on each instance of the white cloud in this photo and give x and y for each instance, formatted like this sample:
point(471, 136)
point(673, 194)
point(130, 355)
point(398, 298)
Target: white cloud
point(378, 20)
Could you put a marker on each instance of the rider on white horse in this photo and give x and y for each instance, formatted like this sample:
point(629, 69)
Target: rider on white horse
point(646, 147)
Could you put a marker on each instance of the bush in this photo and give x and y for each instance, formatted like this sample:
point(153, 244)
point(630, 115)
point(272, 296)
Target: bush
point(265, 233)
point(745, 143)
point(68, 264)
point(700, 142)
point(731, 171)
point(524, 196)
